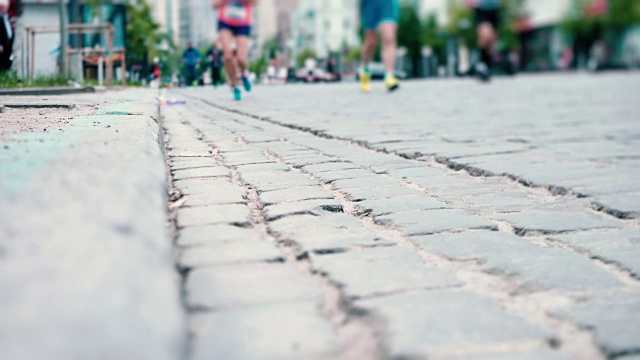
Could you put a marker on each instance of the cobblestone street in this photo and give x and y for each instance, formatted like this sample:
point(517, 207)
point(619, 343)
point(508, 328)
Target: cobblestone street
point(447, 220)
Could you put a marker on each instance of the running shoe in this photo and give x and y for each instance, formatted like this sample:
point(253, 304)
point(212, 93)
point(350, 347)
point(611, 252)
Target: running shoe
point(237, 94)
point(246, 83)
point(365, 81)
point(391, 82)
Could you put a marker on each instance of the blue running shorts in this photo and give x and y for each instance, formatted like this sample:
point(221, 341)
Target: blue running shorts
point(375, 12)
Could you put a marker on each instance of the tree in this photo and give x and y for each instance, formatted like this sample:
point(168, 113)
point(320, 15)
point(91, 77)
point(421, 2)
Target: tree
point(410, 36)
point(353, 55)
point(432, 36)
point(142, 32)
point(619, 15)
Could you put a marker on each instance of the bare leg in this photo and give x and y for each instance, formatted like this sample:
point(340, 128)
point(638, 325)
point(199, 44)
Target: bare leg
point(369, 46)
point(226, 38)
point(388, 32)
point(242, 49)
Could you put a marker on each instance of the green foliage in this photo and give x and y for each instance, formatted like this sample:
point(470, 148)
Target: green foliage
point(270, 48)
point(304, 54)
point(9, 79)
point(432, 36)
point(142, 32)
point(354, 55)
point(461, 23)
point(511, 11)
point(259, 65)
point(621, 15)
point(410, 34)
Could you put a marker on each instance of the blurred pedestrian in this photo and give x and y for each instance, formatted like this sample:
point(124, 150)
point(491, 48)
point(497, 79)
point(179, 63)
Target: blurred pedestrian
point(191, 58)
point(310, 65)
point(382, 16)
point(214, 55)
point(234, 24)
point(487, 19)
point(6, 36)
point(156, 73)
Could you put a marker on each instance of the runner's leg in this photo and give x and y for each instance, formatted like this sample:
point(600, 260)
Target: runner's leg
point(226, 39)
point(388, 31)
point(242, 46)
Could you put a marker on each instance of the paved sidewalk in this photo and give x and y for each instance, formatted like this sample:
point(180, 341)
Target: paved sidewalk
point(450, 220)
point(86, 267)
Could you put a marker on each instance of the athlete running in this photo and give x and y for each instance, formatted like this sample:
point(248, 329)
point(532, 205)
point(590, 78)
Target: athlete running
point(379, 15)
point(234, 23)
point(487, 17)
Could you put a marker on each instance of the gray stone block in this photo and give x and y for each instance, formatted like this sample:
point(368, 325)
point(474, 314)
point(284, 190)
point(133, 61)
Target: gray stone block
point(314, 207)
point(192, 163)
point(294, 194)
point(299, 162)
point(202, 172)
point(439, 322)
point(281, 331)
point(215, 235)
point(198, 186)
point(330, 176)
point(219, 214)
point(614, 318)
point(512, 255)
point(628, 204)
point(370, 181)
point(382, 270)
point(378, 207)
point(241, 251)
point(379, 192)
point(557, 221)
point(433, 221)
point(249, 284)
point(275, 180)
point(228, 195)
point(242, 169)
point(328, 232)
point(332, 166)
point(420, 171)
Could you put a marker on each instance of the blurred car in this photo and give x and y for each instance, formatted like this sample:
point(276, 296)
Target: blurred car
point(313, 75)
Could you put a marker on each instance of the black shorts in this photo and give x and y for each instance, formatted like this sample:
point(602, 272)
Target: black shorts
point(487, 16)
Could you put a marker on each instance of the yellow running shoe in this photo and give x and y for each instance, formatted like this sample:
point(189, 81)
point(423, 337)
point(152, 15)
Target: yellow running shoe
point(365, 81)
point(391, 82)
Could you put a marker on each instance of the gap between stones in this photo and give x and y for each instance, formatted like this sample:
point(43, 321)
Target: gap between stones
point(447, 162)
point(572, 338)
point(535, 307)
point(618, 270)
point(360, 333)
point(173, 204)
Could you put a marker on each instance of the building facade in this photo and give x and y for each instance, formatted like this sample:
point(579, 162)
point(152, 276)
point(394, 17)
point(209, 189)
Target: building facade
point(324, 26)
point(166, 14)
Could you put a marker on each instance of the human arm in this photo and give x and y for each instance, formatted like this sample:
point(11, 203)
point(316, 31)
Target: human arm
point(216, 4)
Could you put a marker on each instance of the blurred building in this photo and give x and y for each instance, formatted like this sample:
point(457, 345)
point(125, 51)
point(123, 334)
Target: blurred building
point(284, 38)
point(38, 13)
point(265, 23)
point(324, 26)
point(198, 23)
point(166, 14)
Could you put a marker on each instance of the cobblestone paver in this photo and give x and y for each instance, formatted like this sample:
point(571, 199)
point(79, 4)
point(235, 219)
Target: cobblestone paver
point(449, 221)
